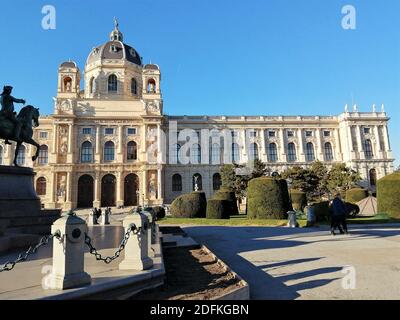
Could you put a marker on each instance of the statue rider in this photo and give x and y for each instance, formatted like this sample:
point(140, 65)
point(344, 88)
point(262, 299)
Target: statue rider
point(7, 110)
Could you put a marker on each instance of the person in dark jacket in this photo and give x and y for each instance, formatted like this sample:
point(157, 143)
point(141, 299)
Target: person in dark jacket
point(338, 215)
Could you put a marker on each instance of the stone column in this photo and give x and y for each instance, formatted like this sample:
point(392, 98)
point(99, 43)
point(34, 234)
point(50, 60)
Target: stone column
point(97, 191)
point(302, 157)
point(159, 145)
point(144, 187)
point(159, 185)
point(282, 146)
point(53, 191)
point(54, 145)
point(320, 154)
point(68, 204)
point(70, 155)
point(120, 190)
point(263, 146)
point(388, 149)
point(97, 156)
point(338, 148)
point(359, 142)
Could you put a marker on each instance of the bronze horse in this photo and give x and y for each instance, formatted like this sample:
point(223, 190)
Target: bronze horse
point(29, 117)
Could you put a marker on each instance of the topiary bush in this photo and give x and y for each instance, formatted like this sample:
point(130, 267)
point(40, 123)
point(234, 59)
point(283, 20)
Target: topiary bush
point(226, 194)
point(322, 211)
point(388, 190)
point(192, 205)
point(268, 198)
point(218, 209)
point(299, 199)
point(355, 195)
point(158, 211)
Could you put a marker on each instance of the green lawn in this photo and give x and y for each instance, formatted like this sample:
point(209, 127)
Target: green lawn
point(234, 221)
point(241, 220)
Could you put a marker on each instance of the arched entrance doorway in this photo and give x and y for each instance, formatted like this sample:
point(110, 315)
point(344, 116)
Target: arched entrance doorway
point(108, 184)
point(131, 186)
point(85, 191)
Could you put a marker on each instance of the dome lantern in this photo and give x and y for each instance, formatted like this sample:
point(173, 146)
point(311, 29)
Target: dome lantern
point(116, 35)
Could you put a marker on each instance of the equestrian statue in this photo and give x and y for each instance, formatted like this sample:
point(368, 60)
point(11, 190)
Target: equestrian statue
point(18, 128)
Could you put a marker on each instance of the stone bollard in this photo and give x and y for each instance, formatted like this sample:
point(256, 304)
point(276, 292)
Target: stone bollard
point(92, 219)
point(154, 229)
point(68, 254)
point(149, 216)
point(105, 217)
point(136, 250)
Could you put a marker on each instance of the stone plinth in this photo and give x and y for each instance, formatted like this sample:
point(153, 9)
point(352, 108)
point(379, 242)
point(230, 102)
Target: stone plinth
point(20, 207)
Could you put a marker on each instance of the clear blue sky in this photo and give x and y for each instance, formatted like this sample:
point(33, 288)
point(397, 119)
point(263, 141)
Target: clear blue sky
point(221, 57)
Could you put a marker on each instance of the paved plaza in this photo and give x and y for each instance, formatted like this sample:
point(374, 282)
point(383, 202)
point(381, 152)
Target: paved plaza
point(282, 263)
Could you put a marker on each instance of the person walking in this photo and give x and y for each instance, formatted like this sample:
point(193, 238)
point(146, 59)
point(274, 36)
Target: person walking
point(338, 215)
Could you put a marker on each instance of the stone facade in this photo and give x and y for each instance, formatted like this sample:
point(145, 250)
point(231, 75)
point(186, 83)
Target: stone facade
point(111, 145)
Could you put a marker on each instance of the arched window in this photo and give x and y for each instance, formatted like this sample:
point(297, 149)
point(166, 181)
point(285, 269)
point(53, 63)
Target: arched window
point(217, 181)
point(133, 86)
point(195, 154)
point(86, 152)
point(292, 157)
point(310, 154)
point(176, 183)
point(328, 152)
point(174, 154)
point(132, 150)
point(272, 152)
point(21, 155)
point(215, 154)
point(197, 179)
point(67, 84)
point(43, 155)
point(1, 155)
point(151, 86)
point(372, 177)
point(91, 85)
point(112, 84)
point(235, 153)
point(369, 153)
point(253, 154)
point(41, 186)
point(109, 151)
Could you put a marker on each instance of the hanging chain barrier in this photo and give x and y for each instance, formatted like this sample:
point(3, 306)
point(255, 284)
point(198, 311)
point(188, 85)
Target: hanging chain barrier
point(132, 229)
point(32, 250)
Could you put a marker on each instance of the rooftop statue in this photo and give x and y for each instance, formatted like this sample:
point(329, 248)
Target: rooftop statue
point(18, 128)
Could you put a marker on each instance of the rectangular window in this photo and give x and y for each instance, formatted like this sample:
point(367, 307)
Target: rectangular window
point(327, 133)
point(43, 134)
point(131, 131)
point(235, 134)
point(253, 134)
point(308, 133)
point(271, 134)
point(87, 130)
point(109, 131)
point(290, 133)
point(367, 130)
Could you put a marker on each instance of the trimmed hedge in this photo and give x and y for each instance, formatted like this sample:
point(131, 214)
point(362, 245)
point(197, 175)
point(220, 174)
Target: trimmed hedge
point(388, 189)
point(267, 198)
point(191, 205)
point(158, 211)
point(355, 195)
point(218, 209)
point(322, 211)
point(352, 209)
point(299, 199)
point(225, 194)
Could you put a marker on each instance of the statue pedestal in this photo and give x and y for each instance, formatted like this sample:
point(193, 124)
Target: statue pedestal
point(20, 207)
